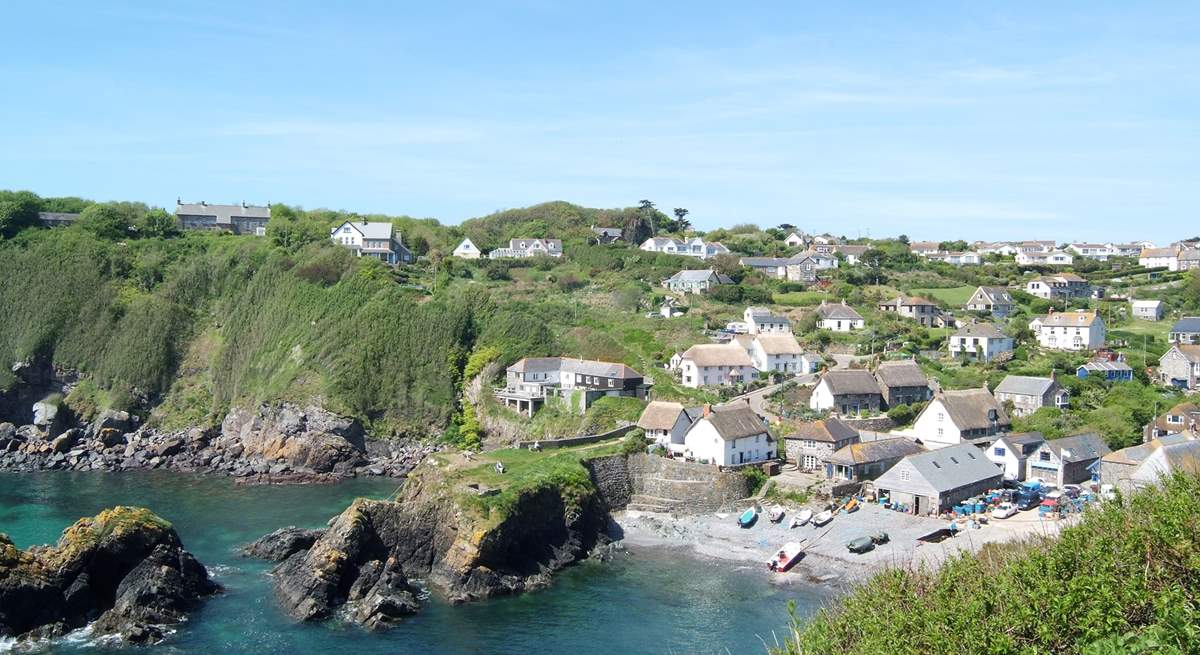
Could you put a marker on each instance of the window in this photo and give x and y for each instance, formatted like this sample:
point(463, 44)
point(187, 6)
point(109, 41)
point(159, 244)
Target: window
point(999, 452)
point(1044, 456)
point(904, 476)
point(940, 432)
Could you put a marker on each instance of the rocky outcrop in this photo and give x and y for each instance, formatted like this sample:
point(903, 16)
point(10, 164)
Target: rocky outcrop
point(282, 543)
point(309, 438)
point(124, 569)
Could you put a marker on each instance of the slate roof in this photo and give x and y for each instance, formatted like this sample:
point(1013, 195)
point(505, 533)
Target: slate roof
point(852, 381)
point(1137, 454)
point(910, 301)
point(995, 295)
point(1105, 365)
point(874, 451)
point(1024, 385)
point(1170, 458)
point(1187, 324)
point(570, 365)
point(969, 408)
point(1069, 319)
point(368, 229)
point(950, 468)
point(838, 311)
point(762, 262)
point(830, 430)
point(981, 331)
point(1079, 447)
point(903, 373)
point(1026, 441)
point(700, 276)
point(1189, 255)
point(224, 214)
point(718, 354)
point(659, 415)
point(779, 344)
point(737, 422)
point(608, 231)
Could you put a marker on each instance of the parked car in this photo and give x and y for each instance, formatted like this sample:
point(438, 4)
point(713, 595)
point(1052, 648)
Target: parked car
point(860, 545)
point(1004, 510)
point(1028, 498)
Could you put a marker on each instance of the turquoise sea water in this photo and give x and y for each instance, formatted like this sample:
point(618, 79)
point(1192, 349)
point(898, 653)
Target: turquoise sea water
point(648, 601)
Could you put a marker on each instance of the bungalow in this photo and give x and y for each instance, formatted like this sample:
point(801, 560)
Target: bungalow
point(777, 353)
point(1180, 367)
point(377, 240)
point(1167, 258)
point(847, 392)
point(1027, 394)
point(1132, 249)
point(1011, 452)
point(923, 311)
point(995, 248)
point(995, 300)
point(980, 341)
point(57, 219)
point(814, 441)
point(955, 417)
point(577, 382)
point(1059, 287)
point(1079, 330)
point(604, 235)
point(522, 248)
point(772, 267)
point(954, 258)
point(935, 481)
point(1052, 258)
point(695, 281)
point(794, 240)
point(839, 317)
point(924, 248)
point(1035, 246)
point(729, 436)
point(238, 219)
point(1097, 251)
point(1144, 465)
point(695, 247)
point(867, 460)
point(715, 364)
point(666, 424)
point(467, 250)
point(902, 382)
point(665, 245)
point(1067, 460)
point(1183, 417)
point(1185, 331)
point(1147, 310)
point(761, 321)
point(1110, 371)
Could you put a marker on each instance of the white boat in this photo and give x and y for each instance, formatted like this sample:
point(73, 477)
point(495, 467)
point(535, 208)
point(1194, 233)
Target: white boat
point(785, 557)
point(822, 518)
point(802, 517)
point(776, 514)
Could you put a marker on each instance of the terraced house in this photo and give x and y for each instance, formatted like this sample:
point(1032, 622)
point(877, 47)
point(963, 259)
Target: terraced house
point(955, 417)
point(577, 383)
point(238, 219)
point(812, 442)
point(902, 383)
point(847, 392)
point(1081, 330)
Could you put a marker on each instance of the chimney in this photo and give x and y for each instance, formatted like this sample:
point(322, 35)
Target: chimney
point(244, 205)
point(707, 410)
point(204, 203)
point(1053, 375)
point(178, 200)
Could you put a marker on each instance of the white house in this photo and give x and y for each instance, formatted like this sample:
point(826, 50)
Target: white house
point(728, 436)
point(1081, 330)
point(1027, 394)
point(777, 353)
point(955, 417)
point(847, 392)
point(1059, 287)
point(715, 364)
point(695, 281)
point(372, 239)
point(1167, 258)
point(980, 341)
point(924, 248)
point(839, 317)
point(1097, 251)
point(794, 240)
point(694, 247)
point(762, 321)
point(467, 250)
point(967, 258)
point(1147, 310)
point(996, 300)
point(995, 248)
point(1052, 258)
point(666, 424)
point(521, 248)
point(1011, 452)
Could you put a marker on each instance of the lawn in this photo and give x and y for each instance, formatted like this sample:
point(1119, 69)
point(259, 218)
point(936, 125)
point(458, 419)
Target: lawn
point(801, 298)
point(953, 296)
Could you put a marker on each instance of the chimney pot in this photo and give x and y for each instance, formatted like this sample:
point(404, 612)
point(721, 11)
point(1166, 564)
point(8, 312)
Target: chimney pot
point(707, 410)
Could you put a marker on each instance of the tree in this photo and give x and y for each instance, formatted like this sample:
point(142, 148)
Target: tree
point(681, 224)
point(17, 212)
point(293, 229)
point(639, 225)
point(903, 238)
point(106, 221)
point(157, 223)
point(728, 264)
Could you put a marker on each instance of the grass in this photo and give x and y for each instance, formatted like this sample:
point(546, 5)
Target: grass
point(801, 298)
point(952, 296)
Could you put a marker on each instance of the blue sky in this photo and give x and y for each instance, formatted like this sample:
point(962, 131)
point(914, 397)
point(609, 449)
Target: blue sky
point(1071, 120)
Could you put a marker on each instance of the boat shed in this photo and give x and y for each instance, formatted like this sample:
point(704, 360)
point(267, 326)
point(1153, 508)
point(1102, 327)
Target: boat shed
point(934, 481)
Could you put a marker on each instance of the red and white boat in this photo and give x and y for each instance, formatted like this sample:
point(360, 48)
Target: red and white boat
point(786, 556)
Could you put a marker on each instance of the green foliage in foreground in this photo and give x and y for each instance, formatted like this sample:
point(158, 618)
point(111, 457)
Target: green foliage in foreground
point(1125, 580)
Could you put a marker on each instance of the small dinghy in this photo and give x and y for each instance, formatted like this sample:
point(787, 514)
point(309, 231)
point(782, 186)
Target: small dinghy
point(785, 557)
point(802, 517)
point(748, 518)
point(851, 506)
point(776, 514)
point(822, 518)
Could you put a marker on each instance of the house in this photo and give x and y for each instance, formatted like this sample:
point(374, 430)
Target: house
point(1079, 330)
point(995, 248)
point(729, 436)
point(57, 219)
point(1011, 452)
point(867, 460)
point(467, 250)
point(811, 442)
point(578, 383)
point(1097, 251)
point(839, 317)
point(995, 300)
point(239, 219)
point(1180, 367)
point(1185, 331)
point(695, 281)
point(666, 424)
point(1144, 465)
point(1059, 287)
point(604, 235)
point(762, 321)
point(777, 353)
point(821, 257)
point(802, 269)
point(980, 342)
point(1184, 417)
point(954, 258)
point(695, 247)
point(1111, 371)
point(665, 245)
point(1067, 460)
point(955, 417)
point(1028, 394)
point(923, 311)
point(715, 364)
point(1167, 258)
point(933, 482)
point(1130, 249)
point(1052, 258)
point(522, 248)
point(847, 392)
point(794, 240)
point(773, 267)
point(1189, 259)
point(924, 248)
point(902, 382)
point(853, 254)
point(1035, 246)
point(1147, 310)
point(374, 239)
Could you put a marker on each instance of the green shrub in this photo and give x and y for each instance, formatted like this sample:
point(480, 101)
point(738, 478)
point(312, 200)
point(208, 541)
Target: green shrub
point(755, 477)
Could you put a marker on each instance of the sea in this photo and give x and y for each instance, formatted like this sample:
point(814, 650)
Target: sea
point(648, 600)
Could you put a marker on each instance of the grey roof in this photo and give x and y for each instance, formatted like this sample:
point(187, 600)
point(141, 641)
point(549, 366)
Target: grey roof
point(952, 467)
point(736, 422)
point(852, 381)
point(57, 217)
point(1024, 385)
point(1180, 457)
point(995, 295)
point(838, 311)
point(369, 229)
point(569, 365)
point(1079, 447)
point(224, 214)
point(980, 330)
point(763, 262)
point(700, 276)
point(874, 451)
point(970, 408)
point(1026, 441)
point(1105, 365)
point(1187, 324)
point(551, 245)
point(608, 231)
point(903, 373)
point(830, 430)
point(1191, 254)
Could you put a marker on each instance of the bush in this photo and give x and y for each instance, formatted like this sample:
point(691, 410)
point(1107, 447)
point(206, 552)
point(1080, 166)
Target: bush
point(901, 415)
point(634, 443)
point(755, 477)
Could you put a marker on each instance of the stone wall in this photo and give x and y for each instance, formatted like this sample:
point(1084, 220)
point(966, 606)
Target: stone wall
point(693, 487)
point(610, 474)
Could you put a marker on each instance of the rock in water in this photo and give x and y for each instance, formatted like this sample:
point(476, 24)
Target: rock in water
point(282, 543)
point(124, 568)
point(309, 438)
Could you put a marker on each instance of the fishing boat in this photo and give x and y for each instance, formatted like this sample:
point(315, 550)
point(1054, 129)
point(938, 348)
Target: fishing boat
point(776, 514)
point(785, 557)
point(748, 518)
point(822, 518)
point(851, 506)
point(802, 517)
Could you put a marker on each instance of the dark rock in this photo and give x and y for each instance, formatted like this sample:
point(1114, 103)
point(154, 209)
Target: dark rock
point(111, 419)
point(282, 543)
point(169, 447)
point(382, 596)
point(8, 431)
point(310, 438)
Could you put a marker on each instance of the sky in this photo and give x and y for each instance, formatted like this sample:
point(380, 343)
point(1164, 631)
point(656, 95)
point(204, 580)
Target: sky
point(1067, 120)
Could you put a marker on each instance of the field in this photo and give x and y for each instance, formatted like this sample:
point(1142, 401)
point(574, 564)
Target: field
point(953, 296)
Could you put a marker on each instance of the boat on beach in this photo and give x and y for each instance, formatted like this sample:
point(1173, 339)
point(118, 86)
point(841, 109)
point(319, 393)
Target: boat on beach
point(748, 517)
point(786, 557)
point(802, 517)
point(776, 514)
point(822, 518)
